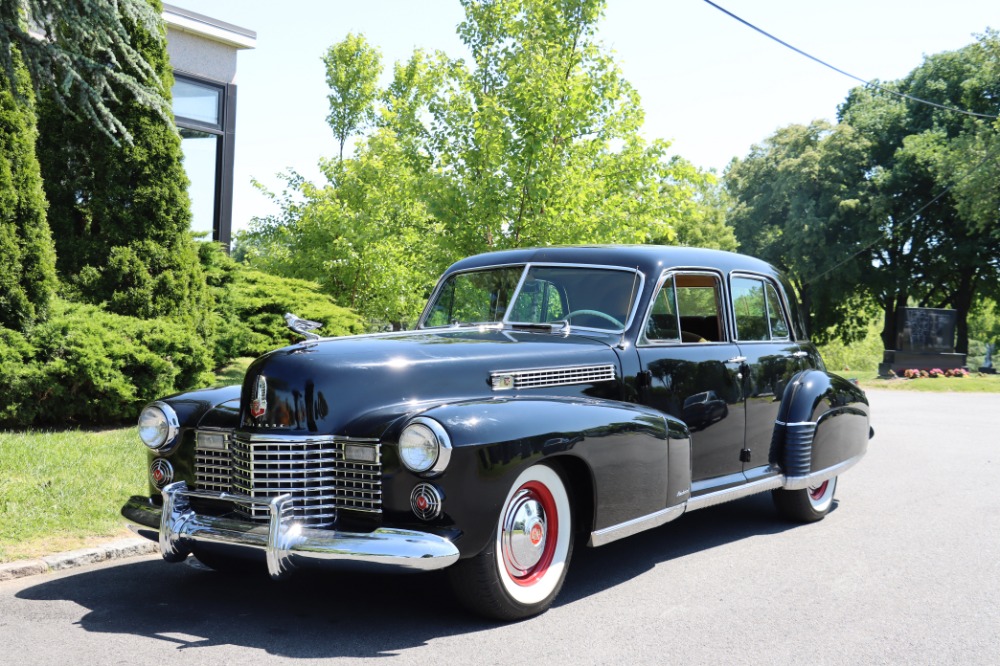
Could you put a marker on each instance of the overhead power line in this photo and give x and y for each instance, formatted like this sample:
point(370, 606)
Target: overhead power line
point(871, 84)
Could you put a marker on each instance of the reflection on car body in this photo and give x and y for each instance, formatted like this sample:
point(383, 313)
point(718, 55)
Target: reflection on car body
point(548, 397)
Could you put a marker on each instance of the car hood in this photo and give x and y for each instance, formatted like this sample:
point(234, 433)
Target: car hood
point(357, 386)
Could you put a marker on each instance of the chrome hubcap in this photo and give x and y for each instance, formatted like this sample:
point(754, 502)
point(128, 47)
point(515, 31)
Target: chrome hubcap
point(524, 534)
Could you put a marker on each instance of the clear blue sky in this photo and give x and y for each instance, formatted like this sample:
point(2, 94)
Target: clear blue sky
point(710, 85)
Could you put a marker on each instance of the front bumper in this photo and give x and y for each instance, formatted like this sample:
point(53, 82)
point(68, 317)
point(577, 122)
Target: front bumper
point(284, 541)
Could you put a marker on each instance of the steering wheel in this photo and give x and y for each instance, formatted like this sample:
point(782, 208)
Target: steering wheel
point(596, 313)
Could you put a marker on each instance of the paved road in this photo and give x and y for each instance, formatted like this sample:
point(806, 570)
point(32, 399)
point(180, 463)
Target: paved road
point(905, 570)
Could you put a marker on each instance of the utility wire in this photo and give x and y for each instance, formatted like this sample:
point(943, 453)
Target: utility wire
point(848, 74)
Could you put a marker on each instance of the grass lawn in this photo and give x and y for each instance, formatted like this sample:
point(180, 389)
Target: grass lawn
point(61, 490)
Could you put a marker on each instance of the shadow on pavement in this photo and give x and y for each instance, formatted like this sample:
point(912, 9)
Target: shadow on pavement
point(316, 615)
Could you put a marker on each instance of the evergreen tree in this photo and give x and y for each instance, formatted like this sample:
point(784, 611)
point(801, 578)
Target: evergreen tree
point(81, 51)
point(120, 212)
point(27, 261)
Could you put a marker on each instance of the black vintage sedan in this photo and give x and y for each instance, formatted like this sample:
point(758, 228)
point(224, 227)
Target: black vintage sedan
point(548, 397)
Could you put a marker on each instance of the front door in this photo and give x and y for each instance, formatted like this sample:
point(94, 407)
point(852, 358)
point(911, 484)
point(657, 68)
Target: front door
point(694, 372)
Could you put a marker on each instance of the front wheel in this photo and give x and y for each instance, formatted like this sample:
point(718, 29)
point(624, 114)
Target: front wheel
point(522, 570)
point(807, 505)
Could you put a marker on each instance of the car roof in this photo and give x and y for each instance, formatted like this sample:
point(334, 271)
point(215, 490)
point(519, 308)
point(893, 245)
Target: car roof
point(649, 259)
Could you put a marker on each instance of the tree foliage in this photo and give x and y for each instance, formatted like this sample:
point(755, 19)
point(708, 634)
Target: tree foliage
point(536, 142)
point(120, 212)
point(895, 204)
point(81, 51)
point(27, 268)
point(352, 71)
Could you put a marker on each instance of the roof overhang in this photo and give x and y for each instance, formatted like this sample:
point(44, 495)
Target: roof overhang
point(206, 27)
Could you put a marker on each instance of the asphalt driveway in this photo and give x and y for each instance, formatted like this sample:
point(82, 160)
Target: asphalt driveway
point(905, 570)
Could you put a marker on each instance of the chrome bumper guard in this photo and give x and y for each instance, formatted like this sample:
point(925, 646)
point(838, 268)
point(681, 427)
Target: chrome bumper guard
point(283, 540)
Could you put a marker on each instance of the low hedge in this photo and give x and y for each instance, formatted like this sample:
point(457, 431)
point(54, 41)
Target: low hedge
point(87, 366)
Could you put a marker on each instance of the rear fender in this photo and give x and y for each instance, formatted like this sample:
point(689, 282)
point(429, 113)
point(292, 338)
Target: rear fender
point(822, 428)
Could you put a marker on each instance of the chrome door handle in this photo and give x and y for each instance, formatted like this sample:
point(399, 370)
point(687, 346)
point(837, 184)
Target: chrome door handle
point(737, 359)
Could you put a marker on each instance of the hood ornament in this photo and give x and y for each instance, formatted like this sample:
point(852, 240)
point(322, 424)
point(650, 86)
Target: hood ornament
point(303, 327)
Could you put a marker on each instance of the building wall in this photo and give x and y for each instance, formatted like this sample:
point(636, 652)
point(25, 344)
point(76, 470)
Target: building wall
point(203, 52)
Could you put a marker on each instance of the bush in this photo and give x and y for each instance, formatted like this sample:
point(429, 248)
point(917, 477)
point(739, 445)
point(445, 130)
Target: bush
point(85, 365)
point(250, 308)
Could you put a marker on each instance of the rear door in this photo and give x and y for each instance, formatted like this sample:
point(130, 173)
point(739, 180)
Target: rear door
point(764, 338)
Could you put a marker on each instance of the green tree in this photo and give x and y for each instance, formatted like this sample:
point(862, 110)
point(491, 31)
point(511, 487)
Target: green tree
point(895, 204)
point(536, 142)
point(352, 71)
point(27, 260)
point(799, 199)
point(82, 53)
point(120, 212)
point(939, 244)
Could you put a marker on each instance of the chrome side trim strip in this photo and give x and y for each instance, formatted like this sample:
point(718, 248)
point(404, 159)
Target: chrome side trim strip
point(634, 526)
point(284, 541)
point(720, 496)
point(800, 482)
point(796, 423)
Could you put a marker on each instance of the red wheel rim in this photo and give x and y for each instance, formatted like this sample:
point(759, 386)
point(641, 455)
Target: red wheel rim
point(550, 515)
point(817, 493)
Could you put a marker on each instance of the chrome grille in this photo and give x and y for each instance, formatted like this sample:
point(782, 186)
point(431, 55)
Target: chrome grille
point(524, 379)
point(213, 469)
point(312, 469)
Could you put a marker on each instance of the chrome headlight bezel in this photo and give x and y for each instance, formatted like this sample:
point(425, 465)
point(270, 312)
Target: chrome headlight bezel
point(164, 422)
point(424, 447)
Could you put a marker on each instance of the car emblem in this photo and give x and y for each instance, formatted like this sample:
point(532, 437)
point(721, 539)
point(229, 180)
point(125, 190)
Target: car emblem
point(259, 403)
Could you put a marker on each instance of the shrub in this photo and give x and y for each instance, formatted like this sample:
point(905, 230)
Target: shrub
point(85, 365)
point(250, 307)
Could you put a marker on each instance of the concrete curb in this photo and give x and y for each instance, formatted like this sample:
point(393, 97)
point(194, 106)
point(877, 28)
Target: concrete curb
point(113, 550)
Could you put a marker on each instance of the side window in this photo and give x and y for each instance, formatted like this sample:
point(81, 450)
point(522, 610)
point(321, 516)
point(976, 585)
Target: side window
point(775, 314)
point(686, 309)
point(758, 311)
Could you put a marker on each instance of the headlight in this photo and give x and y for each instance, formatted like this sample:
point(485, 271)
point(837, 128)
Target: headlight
point(424, 446)
point(158, 425)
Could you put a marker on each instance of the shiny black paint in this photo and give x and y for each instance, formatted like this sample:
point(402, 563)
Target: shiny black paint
point(623, 460)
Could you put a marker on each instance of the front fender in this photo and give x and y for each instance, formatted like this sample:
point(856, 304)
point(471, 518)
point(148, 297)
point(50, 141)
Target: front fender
point(823, 422)
point(629, 460)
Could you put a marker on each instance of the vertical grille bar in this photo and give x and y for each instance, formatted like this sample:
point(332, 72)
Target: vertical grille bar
point(313, 470)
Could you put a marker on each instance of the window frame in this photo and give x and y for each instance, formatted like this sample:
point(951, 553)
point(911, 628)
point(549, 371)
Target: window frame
point(782, 305)
point(723, 313)
point(639, 282)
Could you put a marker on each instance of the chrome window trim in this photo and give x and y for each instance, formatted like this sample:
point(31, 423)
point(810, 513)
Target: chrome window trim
point(527, 266)
point(641, 343)
point(781, 295)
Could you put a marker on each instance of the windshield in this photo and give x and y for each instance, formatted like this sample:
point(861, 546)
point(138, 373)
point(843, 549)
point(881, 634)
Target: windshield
point(587, 297)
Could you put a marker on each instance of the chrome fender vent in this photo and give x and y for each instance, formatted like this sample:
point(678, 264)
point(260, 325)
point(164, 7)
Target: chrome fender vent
point(504, 380)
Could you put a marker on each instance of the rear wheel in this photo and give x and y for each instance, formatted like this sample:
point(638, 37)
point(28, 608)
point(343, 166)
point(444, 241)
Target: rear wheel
point(522, 570)
point(807, 505)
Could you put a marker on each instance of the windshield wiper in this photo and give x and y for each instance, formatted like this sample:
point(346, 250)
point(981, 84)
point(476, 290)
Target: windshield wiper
point(561, 326)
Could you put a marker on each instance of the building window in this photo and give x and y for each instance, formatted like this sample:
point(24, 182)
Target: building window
point(204, 112)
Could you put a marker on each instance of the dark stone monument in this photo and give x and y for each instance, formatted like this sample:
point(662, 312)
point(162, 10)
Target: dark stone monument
point(925, 339)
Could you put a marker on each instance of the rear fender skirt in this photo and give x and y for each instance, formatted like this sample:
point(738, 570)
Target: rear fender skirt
point(822, 423)
point(619, 446)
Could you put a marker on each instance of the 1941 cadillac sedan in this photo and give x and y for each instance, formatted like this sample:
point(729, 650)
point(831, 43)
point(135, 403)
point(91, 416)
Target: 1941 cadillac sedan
point(547, 397)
